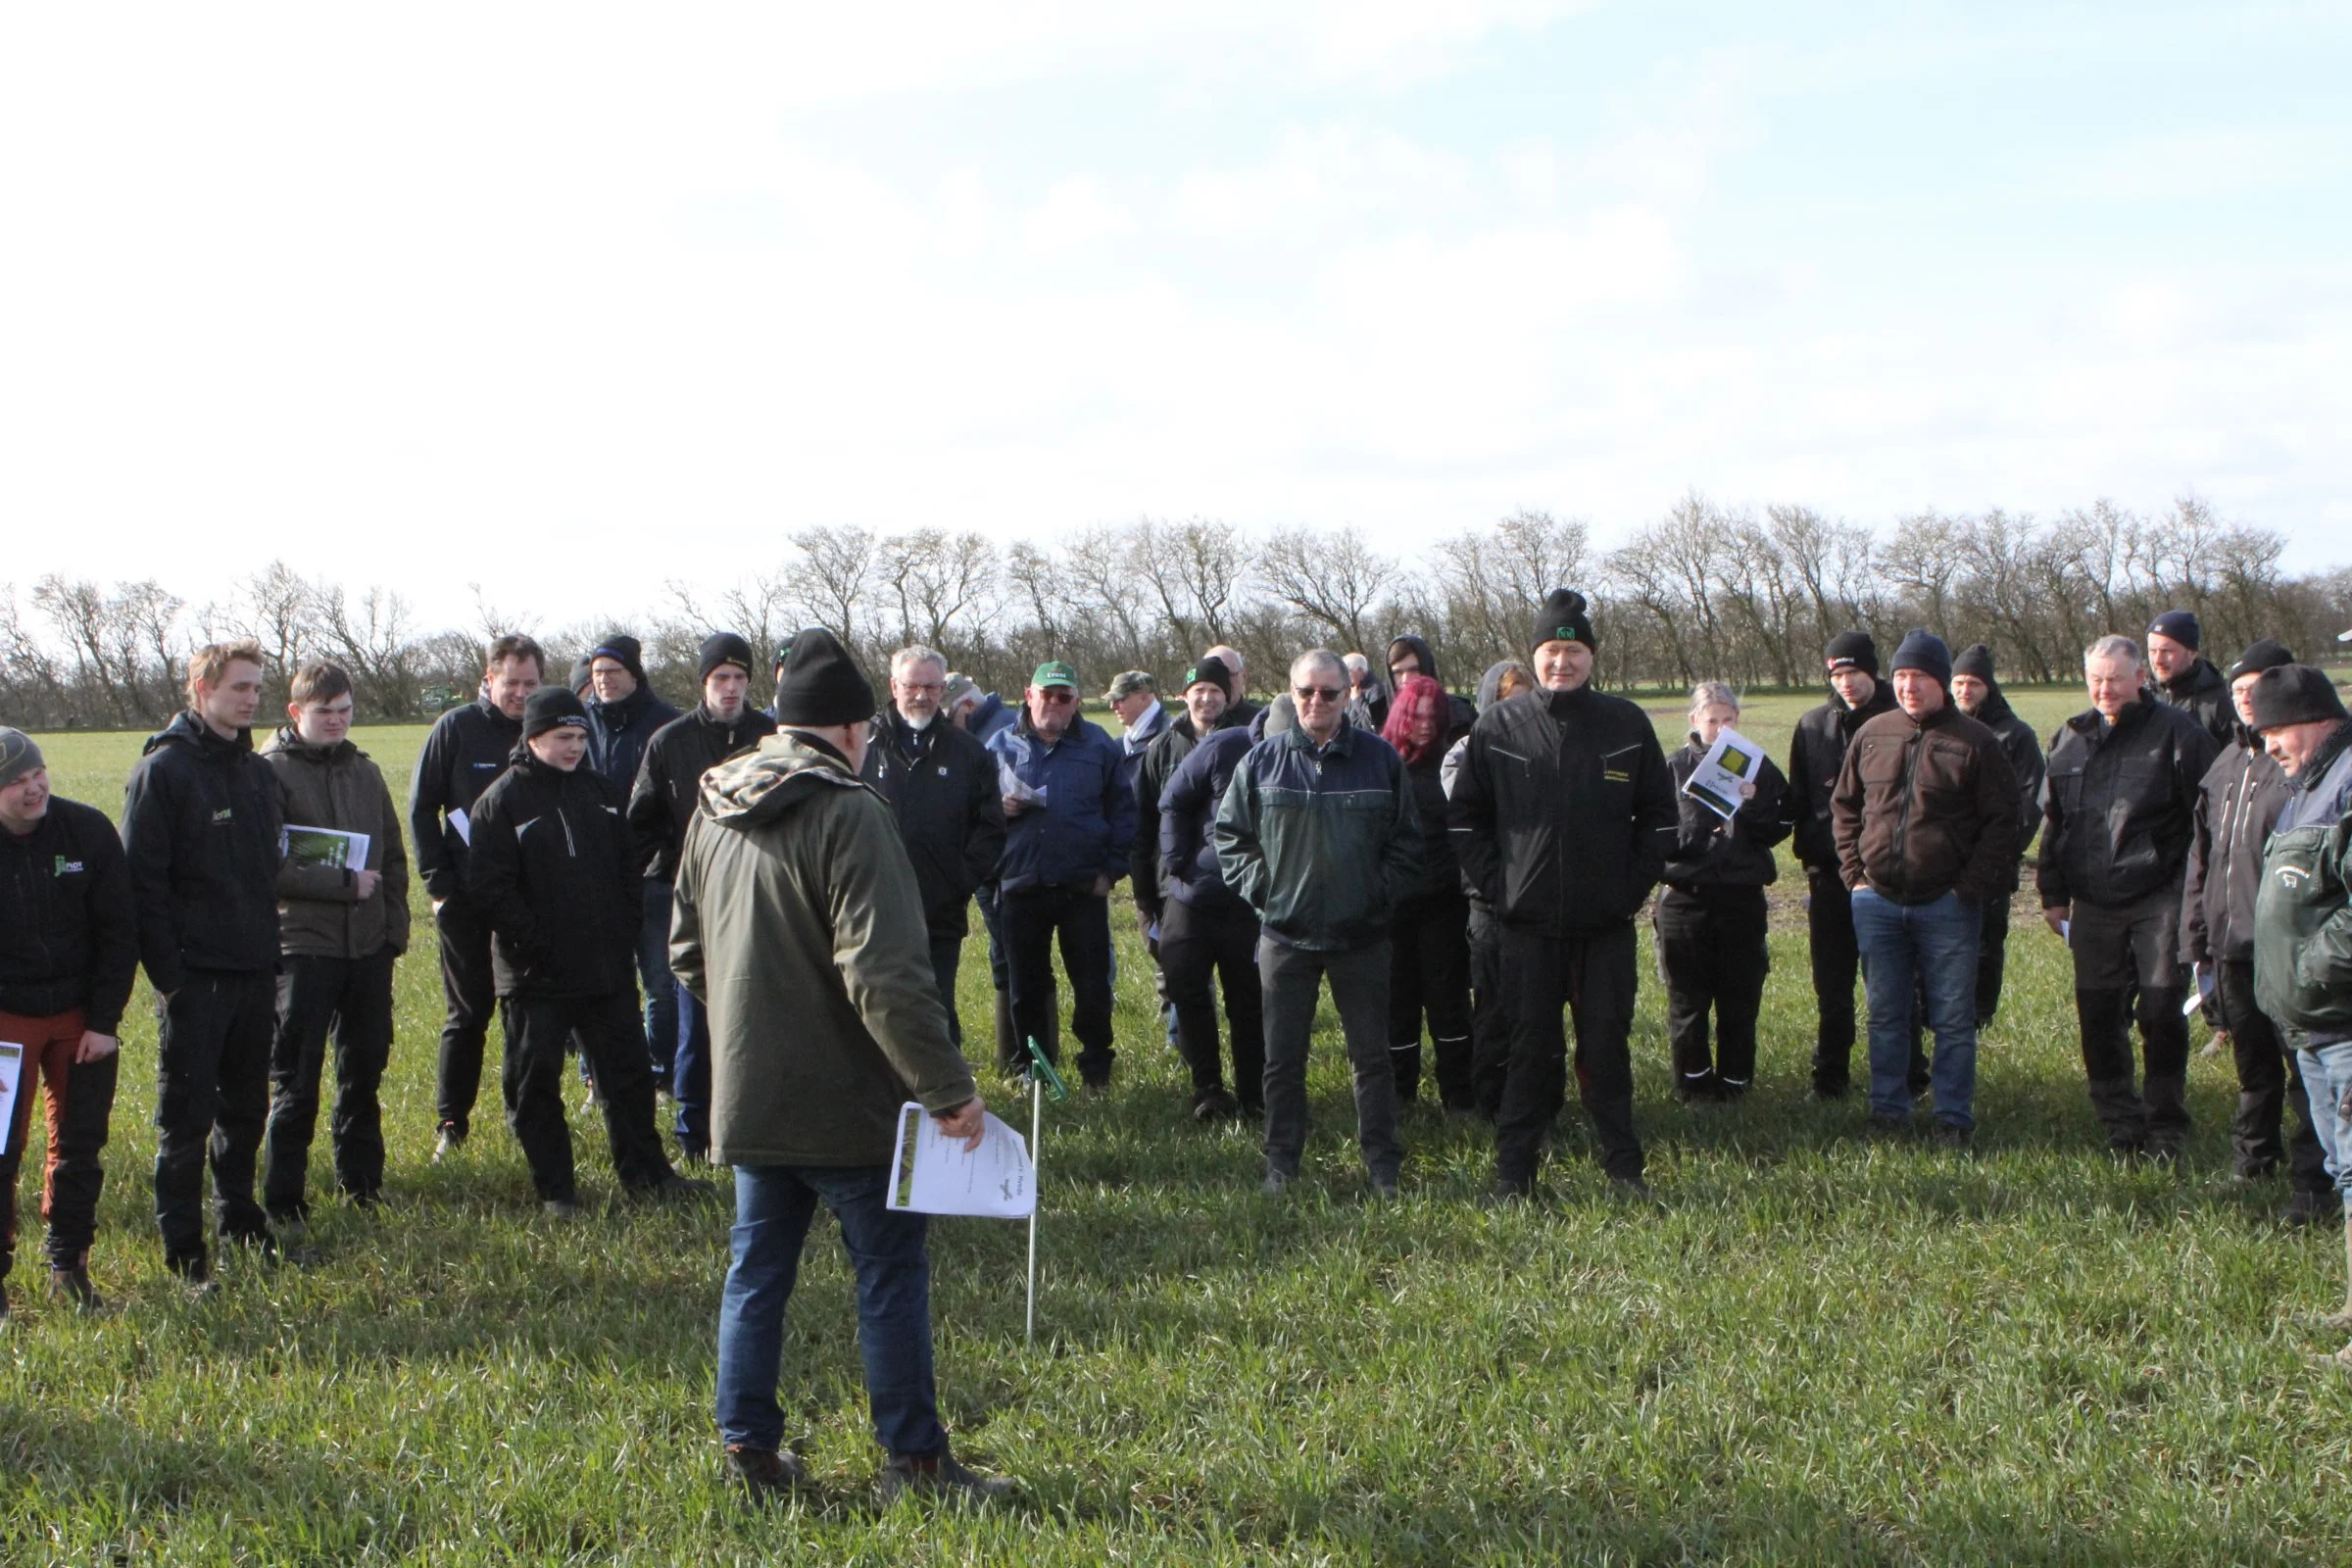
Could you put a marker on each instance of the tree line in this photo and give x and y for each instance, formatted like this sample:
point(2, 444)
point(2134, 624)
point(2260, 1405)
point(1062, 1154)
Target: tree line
point(1705, 592)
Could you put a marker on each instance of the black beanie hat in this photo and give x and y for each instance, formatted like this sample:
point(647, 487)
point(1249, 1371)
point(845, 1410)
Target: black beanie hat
point(579, 671)
point(821, 684)
point(1921, 650)
point(1211, 670)
point(1852, 650)
point(2259, 656)
point(1564, 617)
point(719, 649)
point(551, 707)
point(1975, 659)
point(2180, 625)
point(628, 649)
point(2294, 694)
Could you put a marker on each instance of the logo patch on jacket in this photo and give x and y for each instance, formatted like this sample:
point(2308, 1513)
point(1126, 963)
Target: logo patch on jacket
point(225, 814)
point(1613, 770)
point(2292, 876)
point(65, 867)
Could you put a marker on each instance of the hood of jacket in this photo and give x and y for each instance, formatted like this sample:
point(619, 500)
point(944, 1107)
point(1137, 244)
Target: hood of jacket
point(186, 729)
point(1490, 685)
point(1995, 705)
point(762, 784)
point(288, 742)
point(1419, 645)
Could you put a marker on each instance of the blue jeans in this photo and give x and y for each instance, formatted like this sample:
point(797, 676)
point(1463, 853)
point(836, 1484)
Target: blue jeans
point(652, 974)
point(773, 1205)
point(690, 1074)
point(2327, 1080)
point(1910, 950)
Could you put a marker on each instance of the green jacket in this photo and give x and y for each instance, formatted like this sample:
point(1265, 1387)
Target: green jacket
point(2303, 907)
point(799, 925)
point(319, 911)
point(1321, 841)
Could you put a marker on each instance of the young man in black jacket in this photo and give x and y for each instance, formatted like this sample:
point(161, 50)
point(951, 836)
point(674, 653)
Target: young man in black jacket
point(2119, 809)
point(625, 714)
point(69, 949)
point(467, 749)
point(1976, 693)
point(661, 803)
point(1563, 814)
point(201, 834)
point(554, 871)
point(2182, 677)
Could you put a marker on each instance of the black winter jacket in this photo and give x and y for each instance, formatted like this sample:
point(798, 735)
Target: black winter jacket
point(1440, 868)
point(2023, 747)
point(464, 751)
point(2119, 805)
point(68, 930)
point(1711, 851)
point(1188, 810)
point(1158, 764)
point(555, 869)
point(669, 781)
point(942, 785)
point(2239, 803)
point(1563, 810)
point(201, 831)
point(1460, 715)
point(1816, 756)
point(619, 732)
point(2203, 693)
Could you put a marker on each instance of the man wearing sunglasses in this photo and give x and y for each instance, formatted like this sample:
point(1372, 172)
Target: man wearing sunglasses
point(1069, 824)
point(1317, 833)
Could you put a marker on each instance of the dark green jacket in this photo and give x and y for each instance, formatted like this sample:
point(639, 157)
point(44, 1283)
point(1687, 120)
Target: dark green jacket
point(1320, 842)
point(2303, 910)
point(319, 908)
point(800, 927)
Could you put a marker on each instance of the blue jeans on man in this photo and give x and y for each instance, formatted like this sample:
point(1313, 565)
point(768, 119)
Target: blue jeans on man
point(652, 974)
point(2327, 1080)
point(690, 1077)
point(773, 1205)
point(1910, 952)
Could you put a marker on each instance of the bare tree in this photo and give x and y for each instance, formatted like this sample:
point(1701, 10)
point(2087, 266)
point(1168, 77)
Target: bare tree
point(1332, 580)
point(833, 576)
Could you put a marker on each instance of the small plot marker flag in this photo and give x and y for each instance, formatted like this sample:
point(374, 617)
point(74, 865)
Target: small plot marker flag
point(1042, 1080)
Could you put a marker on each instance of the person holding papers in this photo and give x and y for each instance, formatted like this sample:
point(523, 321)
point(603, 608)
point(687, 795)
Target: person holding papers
point(1710, 919)
point(798, 926)
point(1926, 820)
point(342, 920)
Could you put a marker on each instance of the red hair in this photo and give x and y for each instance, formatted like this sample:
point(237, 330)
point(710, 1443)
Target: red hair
point(1416, 696)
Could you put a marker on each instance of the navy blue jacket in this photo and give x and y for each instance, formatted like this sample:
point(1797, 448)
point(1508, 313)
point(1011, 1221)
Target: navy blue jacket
point(1086, 826)
point(619, 732)
point(1188, 811)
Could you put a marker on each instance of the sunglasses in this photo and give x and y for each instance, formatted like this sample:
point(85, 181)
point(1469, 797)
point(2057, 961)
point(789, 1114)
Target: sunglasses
point(1057, 695)
point(1307, 694)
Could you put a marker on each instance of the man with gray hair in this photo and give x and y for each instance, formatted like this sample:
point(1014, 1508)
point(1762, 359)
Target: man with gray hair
point(1316, 832)
point(2118, 812)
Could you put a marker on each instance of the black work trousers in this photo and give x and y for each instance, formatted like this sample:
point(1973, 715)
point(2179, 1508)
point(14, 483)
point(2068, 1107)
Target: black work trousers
point(212, 1097)
point(1032, 920)
point(351, 1000)
point(2125, 964)
point(1199, 945)
point(1993, 954)
point(1489, 1019)
point(1591, 974)
point(470, 992)
point(1712, 952)
point(611, 1038)
point(2269, 1079)
point(1429, 975)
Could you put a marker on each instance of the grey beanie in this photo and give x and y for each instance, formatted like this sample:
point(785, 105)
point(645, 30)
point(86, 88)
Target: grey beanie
point(20, 755)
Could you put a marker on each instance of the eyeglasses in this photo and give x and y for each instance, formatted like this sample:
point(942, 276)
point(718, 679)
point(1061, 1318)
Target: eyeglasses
point(934, 687)
point(1308, 694)
point(1057, 695)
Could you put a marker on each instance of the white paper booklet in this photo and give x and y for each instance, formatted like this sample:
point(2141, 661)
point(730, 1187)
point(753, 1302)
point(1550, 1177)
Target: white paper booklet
point(329, 847)
point(1732, 761)
point(933, 1174)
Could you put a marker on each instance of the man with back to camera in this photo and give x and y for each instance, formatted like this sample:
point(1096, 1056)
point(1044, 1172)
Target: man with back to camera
point(662, 801)
point(2182, 677)
point(625, 714)
point(2119, 809)
point(1563, 813)
point(1976, 693)
point(69, 951)
point(801, 926)
point(202, 835)
point(466, 749)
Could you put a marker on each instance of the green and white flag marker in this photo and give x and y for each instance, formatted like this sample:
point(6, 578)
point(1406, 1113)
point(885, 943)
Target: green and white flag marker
point(1043, 1079)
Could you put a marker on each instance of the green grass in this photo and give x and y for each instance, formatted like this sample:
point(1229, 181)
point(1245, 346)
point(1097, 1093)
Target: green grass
point(1814, 1350)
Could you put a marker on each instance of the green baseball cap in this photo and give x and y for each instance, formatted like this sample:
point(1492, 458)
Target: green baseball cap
point(1053, 673)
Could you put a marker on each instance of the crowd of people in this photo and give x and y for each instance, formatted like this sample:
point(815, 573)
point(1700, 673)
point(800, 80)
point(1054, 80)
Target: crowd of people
point(760, 915)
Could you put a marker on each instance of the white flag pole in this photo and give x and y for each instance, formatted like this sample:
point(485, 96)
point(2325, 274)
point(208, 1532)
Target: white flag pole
point(1037, 1124)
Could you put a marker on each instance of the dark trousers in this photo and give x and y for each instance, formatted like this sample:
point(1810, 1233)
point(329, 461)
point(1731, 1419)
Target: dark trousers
point(947, 954)
point(1196, 946)
point(2123, 954)
point(1429, 973)
point(611, 1038)
point(1712, 952)
point(985, 896)
point(690, 1076)
point(1032, 918)
point(1292, 979)
point(212, 1097)
point(1590, 973)
point(1993, 954)
point(2269, 1079)
point(470, 992)
point(350, 998)
point(660, 986)
point(79, 1098)
point(1489, 1019)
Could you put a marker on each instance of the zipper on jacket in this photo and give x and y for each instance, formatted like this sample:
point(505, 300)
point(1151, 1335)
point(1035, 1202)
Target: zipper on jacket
point(1902, 817)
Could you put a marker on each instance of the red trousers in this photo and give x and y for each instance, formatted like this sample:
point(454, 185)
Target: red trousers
point(79, 1100)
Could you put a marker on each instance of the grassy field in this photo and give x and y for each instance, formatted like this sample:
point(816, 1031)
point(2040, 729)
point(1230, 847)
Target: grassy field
point(1812, 1350)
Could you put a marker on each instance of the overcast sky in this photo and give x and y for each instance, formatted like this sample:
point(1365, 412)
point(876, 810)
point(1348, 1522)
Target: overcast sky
point(568, 300)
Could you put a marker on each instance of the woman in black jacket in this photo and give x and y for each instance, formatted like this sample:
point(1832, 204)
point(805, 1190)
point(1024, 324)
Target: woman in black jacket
point(1428, 944)
point(1710, 919)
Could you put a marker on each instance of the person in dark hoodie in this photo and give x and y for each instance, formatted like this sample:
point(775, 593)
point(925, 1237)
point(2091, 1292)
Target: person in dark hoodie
point(1710, 919)
point(661, 801)
point(341, 928)
point(203, 837)
point(465, 750)
point(1411, 654)
point(1429, 943)
point(625, 714)
point(1563, 814)
point(553, 870)
point(1490, 1021)
point(2182, 677)
point(2118, 808)
point(1976, 693)
point(1816, 755)
point(2239, 803)
point(69, 951)
point(1205, 930)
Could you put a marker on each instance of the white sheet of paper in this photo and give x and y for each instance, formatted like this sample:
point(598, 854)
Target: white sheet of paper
point(462, 823)
point(11, 1067)
point(932, 1174)
point(329, 846)
point(1731, 763)
point(2203, 990)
